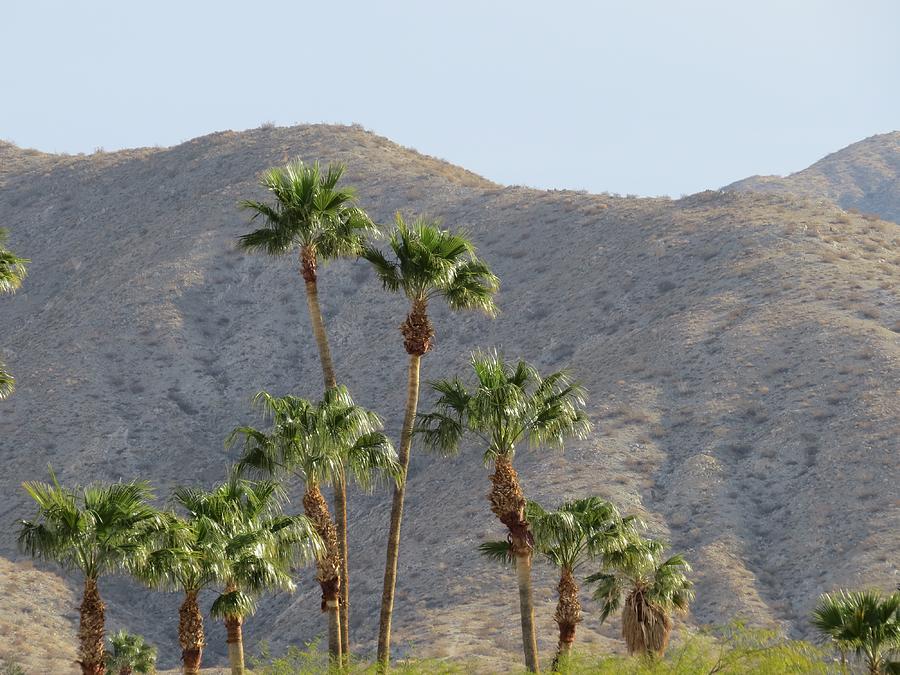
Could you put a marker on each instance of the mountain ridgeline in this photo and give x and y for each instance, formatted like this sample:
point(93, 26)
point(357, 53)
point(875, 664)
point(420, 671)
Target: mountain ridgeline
point(740, 349)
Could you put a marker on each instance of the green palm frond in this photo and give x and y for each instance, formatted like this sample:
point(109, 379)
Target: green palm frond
point(95, 529)
point(233, 603)
point(7, 382)
point(309, 209)
point(430, 262)
point(130, 651)
point(639, 565)
point(866, 622)
point(13, 269)
point(509, 403)
point(319, 442)
point(498, 551)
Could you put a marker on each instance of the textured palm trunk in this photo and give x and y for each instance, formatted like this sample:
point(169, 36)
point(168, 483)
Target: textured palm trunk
point(308, 266)
point(568, 615)
point(235, 642)
point(508, 504)
point(328, 568)
point(190, 633)
point(92, 656)
point(417, 335)
point(393, 546)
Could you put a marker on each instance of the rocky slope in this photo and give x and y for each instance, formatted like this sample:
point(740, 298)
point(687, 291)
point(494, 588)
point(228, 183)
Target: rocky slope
point(864, 176)
point(741, 352)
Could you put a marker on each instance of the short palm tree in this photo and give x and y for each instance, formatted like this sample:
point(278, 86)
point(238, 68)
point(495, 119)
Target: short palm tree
point(96, 530)
point(428, 263)
point(312, 215)
point(129, 654)
point(315, 443)
point(12, 273)
point(653, 588)
point(568, 538)
point(509, 404)
point(188, 557)
point(259, 547)
point(865, 622)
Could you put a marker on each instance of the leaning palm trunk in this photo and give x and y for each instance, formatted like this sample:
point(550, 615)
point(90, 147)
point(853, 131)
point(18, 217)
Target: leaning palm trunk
point(328, 569)
point(393, 547)
point(91, 630)
point(645, 628)
point(190, 633)
point(235, 641)
point(508, 504)
point(308, 265)
point(568, 615)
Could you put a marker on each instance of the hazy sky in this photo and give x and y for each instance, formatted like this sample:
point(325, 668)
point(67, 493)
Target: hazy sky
point(662, 97)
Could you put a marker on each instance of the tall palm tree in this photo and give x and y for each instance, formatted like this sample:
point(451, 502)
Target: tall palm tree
point(319, 220)
point(428, 263)
point(866, 622)
point(576, 533)
point(129, 654)
point(315, 443)
point(510, 404)
point(259, 546)
point(653, 588)
point(96, 530)
point(12, 273)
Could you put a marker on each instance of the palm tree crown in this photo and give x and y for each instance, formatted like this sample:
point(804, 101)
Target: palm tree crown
point(652, 587)
point(509, 404)
point(130, 653)
point(96, 529)
point(12, 272)
point(866, 622)
point(428, 263)
point(310, 212)
point(12, 268)
point(318, 442)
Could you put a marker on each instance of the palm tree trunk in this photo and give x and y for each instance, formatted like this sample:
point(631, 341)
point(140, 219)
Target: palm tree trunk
point(235, 641)
point(190, 633)
point(526, 610)
point(308, 272)
point(328, 569)
point(508, 504)
point(340, 512)
point(91, 630)
point(568, 615)
point(393, 547)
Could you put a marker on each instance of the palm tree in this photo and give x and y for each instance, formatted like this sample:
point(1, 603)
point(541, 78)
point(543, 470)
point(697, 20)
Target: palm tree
point(12, 273)
point(509, 404)
point(316, 443)
point(653, 589)
point(188, 558)
point(97, 530)
point(259, 546)
point(315, 217)
point(866, 622)
point(129, 654)
point(576, 533)
point(429, 263)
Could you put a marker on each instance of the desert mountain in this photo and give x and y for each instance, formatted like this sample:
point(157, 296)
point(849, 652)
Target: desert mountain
point(741, 351)
point(864, 177)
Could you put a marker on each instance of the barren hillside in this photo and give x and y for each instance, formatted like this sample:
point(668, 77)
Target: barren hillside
point(864, 176)
point(741, 351)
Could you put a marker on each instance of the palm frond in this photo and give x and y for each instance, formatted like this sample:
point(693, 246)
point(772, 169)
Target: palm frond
point(498, 551)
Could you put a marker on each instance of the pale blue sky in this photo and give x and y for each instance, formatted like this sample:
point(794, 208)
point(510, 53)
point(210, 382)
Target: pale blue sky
point(662, 97)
